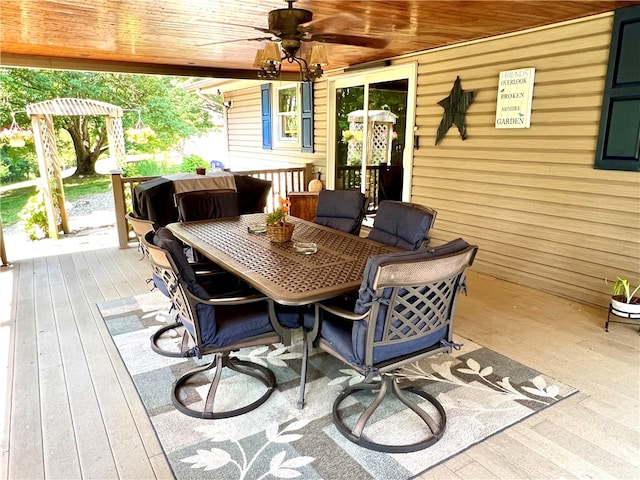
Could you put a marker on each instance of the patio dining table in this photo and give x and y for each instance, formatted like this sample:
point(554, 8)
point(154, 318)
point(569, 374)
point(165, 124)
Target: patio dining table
point(277, 269)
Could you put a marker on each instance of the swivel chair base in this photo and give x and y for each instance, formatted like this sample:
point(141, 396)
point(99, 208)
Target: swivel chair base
point(220, 361)
point(155, 340)
point(387, 385)
point(303, 369)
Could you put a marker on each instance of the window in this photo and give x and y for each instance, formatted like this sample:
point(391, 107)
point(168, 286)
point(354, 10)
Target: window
point(287, 113)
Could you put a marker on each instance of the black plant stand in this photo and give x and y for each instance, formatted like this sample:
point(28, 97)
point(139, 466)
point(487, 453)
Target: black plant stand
point(635, 317)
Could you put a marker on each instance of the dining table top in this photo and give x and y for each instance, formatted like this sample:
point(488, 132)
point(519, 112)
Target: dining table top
point(277, 269)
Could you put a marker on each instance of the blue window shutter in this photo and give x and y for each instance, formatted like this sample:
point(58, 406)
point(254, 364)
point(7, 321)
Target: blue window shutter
point(306, 129)
point(265, 98)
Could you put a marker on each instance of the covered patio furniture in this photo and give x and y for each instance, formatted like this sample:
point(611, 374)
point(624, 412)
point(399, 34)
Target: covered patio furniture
point(404, 313)
point(252, 193)
point(341, 209)
point(402, 224)
point(206, 204)
point(154, 199)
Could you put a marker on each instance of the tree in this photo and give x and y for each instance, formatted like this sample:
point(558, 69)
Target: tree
point(171, 111)
point(390, 96)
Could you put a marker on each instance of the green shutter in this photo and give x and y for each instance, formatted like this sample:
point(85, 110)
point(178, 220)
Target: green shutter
point(306, 129)
point(619, 136)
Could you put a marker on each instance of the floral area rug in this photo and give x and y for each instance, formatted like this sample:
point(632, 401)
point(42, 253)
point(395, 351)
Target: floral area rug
point(481, 391)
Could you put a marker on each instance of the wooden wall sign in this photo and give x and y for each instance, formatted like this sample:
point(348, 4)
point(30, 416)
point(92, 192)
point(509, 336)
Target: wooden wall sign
point(515, 91)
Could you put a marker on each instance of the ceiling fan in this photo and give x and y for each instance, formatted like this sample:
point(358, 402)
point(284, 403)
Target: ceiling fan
point(294, 25)
point(290, 27)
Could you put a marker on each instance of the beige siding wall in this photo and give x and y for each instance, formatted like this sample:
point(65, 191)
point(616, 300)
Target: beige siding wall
point(530, 198)
point(245, 131)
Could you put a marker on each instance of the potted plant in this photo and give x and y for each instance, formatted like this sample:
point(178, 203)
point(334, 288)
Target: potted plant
point(278, 230)
point(624, 299)
point(140, 135)
point(15, 136)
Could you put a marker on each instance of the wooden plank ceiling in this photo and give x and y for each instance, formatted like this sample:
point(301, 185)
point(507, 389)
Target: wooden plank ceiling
point(212, 38)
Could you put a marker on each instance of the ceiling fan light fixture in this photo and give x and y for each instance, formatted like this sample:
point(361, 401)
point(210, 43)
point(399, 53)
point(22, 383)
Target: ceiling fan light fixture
point(271, 54)
point(318, 56)
point(290, 26)
point(258, 60)
point(269, 61)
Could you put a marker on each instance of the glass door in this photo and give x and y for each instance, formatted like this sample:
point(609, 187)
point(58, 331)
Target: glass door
point(372, 133)
point(347, 141)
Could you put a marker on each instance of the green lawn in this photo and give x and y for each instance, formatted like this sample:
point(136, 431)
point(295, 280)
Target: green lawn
point(12, 201)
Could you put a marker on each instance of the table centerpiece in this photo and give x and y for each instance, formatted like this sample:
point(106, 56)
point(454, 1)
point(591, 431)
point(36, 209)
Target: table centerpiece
point(278, 230)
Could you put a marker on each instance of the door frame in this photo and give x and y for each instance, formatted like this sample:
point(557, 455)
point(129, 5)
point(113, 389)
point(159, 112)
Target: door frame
point(365, 78)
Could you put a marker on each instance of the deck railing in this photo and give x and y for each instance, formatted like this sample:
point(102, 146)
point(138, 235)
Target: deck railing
point(350, 177)
point(284, 180)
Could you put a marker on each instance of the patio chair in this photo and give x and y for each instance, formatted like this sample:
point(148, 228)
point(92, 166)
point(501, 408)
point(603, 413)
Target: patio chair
point(341, 209)
point(206, 204)
point(404, 313)
point(215, 282)
point(252, 193)
point(219, 326)
point(402, 224)
point(140, 227)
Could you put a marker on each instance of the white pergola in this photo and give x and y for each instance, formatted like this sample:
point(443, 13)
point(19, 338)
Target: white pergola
point(45, 142)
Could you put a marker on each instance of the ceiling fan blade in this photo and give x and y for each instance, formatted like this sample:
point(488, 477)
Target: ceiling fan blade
point(337, 22)
point(231, 24)
point(358, 41)
point(257, 39)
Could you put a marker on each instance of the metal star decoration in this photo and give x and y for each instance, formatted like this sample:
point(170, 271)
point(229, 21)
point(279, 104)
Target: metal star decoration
point(455, 106)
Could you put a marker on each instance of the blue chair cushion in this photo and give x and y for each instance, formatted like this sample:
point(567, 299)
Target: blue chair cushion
point(160, 285)
point(338, 333)
point(223, 325)
point(365, 293)
point(342, 224)
point(349, 338)
point(340, 209)
point(400, 225)
point(165, 239)
point(295, 317)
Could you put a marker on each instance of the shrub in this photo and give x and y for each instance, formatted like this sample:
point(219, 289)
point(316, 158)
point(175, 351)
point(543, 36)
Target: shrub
point(16, 164)
point(148, 168)
point(191, 162)
point(34, 216)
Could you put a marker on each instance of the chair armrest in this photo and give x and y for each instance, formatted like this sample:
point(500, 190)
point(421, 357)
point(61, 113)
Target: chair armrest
point(203, 271)
point(341, 312)
point(204, 267)
point(335, 310)
point(236, 300)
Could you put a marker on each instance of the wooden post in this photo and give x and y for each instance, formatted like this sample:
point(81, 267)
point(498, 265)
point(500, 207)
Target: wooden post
point(120, 208)
point(41, 142)
point(58, 195)
point(308, 175)
point(3, 252)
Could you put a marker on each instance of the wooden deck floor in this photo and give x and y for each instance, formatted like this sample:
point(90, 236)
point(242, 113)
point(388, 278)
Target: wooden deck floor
point(71, 410)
